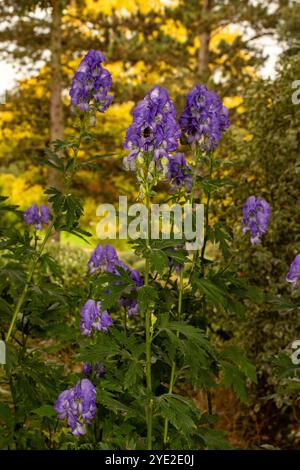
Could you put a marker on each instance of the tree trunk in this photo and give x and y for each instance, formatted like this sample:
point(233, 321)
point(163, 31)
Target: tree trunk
point(203, 51)
point(56, 107)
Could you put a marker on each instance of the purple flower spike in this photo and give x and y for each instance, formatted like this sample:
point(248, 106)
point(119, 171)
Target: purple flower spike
point(294, 272)
point(204, 118)
point(91, 84)
point(78, 405)
point(92, 318)
point(179, 173)
point(154, 129)
point(256, 214)
point(34, 216)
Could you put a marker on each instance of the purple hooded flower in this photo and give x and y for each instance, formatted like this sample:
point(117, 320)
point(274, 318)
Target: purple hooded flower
point(78, 405)
point(98, 368)
point(131, 305)
point(204, 118)
point(91, 84)
point(154, 129)
point(36, 217)
point(93, 318)
point(179, 173)
point(104, 259)
point(256, 214)
point(294, 272)
point(136, 277)
point(87, 368)
point(86, 394)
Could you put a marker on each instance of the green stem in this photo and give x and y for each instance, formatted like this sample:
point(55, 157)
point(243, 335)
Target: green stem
point(207, 206)
point(27, 283)
point(206, 218)
point(38, 257)
point(173, 369)
point(149, 411)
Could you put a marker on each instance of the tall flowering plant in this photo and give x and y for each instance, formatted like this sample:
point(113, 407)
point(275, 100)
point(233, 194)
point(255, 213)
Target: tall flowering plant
point(149, 329)
point(143, 335)
point(32, 290)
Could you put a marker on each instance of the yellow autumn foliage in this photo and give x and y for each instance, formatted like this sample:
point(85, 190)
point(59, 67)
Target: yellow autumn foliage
point(20, 191)
point(227, 34)
point(125, 7)
point(175, 30)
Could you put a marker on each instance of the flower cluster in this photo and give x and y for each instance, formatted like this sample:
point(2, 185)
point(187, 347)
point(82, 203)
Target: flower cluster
point(179, 173)
point(256, 214)
point(91, 84)
point(154, 130)
point(93, 318)
point(36, 217)
point(105, 259)
point(294, 272)
point(204, 118)
point(98, 369)
point(78, 405)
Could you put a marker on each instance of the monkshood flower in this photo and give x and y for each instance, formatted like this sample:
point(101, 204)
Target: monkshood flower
point(87, 368)
point(104, 259)
point(179, 173)
point(256, 214)
point(130, 304)
point(294, 272)
point(97, 368)
point(154, 131)
point(136, 277)
point(78, 405)
point(91, 84)
point(36, 217)
point(204, 118)
point(93, 318)
point(133, 307)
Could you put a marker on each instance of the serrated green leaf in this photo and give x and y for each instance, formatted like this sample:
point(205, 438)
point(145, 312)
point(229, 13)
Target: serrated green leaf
point(106, 399)
point(214, 293)
point(235, 379)
point(147, 296)
point(45, 411)
point(237, 356)
point(158, 260)
point(104, 347)
point(214, 439)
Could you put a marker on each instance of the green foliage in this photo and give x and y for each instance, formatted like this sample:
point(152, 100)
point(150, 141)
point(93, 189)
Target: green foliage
point(268, 166)
point(174, 342)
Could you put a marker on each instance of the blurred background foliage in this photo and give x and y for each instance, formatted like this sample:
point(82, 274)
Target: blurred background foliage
point(174, 43)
